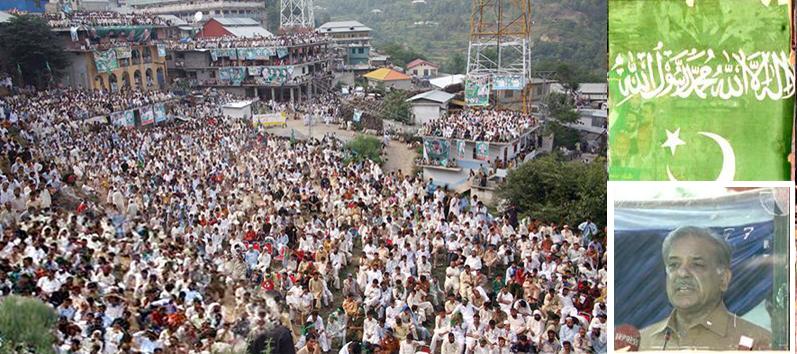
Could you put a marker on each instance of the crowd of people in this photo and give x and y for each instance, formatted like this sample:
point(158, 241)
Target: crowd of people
point(101, 19)
point(175, 238)
point(481, 125)
point(75, 104)
point(282, 40)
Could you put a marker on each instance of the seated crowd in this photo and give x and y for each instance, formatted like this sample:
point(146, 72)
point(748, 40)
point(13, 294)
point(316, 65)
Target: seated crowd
point(166, 240)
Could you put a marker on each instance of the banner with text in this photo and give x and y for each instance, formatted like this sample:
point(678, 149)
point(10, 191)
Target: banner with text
point(700, 90)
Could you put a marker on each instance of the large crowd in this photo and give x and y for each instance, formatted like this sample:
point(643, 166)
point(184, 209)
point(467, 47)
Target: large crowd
point(102, 19)
point(172, 239)
point(481, 125)
point(282, 40)
point(77, 104)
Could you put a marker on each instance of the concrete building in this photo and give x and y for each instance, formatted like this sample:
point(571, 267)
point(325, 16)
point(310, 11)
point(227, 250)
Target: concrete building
point(185, 10)
point(106, 58)
point(353, 40)
point(456, 177)
point(429, 105)
point(290, 73)
point(389, 78)
point(422, 69)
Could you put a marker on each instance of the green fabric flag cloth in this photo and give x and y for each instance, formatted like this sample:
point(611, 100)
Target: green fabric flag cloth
point(699, 90)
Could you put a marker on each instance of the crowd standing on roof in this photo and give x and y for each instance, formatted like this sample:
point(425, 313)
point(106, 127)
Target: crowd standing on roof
point(481, 125)
point(102, 18)
point(166, 240)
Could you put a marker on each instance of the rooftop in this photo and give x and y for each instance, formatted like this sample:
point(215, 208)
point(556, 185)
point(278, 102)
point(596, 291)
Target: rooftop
point(249, 31)
point(385, 74)
point(417, 62)
point(434, 95)
point(342, 26)
point(236, 21)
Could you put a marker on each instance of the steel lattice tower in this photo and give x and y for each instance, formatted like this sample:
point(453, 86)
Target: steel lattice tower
point(500, 40)
point(296, 14)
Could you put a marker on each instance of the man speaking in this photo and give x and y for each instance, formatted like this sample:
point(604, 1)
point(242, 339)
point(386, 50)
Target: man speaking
point(698, 267)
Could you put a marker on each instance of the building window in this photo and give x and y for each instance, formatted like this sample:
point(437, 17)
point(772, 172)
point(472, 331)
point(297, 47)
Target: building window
point(415, 72)
point(425, 72)
point(509, 93)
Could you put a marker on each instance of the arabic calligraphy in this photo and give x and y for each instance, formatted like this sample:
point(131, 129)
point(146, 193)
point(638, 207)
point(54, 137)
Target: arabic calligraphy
point(691, 3)
point(704, 74)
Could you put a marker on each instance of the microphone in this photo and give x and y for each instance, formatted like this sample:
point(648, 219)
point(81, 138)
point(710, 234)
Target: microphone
point(626, 338)
point(667, 336)
point(745, 343)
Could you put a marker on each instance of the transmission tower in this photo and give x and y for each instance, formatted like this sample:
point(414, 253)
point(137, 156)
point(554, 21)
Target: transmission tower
point(296, 14)
point(500, 41)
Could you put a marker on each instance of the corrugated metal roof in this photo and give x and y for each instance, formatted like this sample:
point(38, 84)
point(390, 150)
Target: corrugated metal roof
point(249, 31)
point(236, 21)
point(176, 21)
point(434, 95)
point(599, 87)
point(342, 26)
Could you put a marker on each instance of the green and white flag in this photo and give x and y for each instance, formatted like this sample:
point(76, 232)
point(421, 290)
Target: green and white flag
point(700, 90)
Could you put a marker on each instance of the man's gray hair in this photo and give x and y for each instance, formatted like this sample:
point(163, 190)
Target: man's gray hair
point(721, 247)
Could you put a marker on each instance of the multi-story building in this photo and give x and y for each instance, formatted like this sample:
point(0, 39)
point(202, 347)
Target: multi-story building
point(115, 57)
point(278, 68)
point(186, 9)
point(353, 40)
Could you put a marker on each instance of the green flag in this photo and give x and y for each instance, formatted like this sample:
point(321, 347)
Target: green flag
point(19, 69)
point(47, 63)
point(699, 90)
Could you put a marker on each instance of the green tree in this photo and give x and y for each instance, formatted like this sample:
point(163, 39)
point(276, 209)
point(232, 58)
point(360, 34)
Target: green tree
point(455, 64)
point(28, 44)
point(400, 55)
point(27, 323)
point(364, 147)
point(561, 111)
point(554, 190)
point(396, 107)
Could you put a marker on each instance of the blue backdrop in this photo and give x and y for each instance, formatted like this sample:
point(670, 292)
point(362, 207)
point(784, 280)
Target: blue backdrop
point(640, 294)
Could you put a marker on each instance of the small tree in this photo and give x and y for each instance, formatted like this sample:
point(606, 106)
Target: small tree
point(396, 107)
point(455, 64)
point(562, 111)
point(364, 147)
point(26, 324)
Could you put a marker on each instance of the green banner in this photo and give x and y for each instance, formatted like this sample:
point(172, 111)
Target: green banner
point(482, 151)
point(477, 91)
point(436, 150)
point(234, 75)
point(105, 61)
point(123, 52)
point(699, 90)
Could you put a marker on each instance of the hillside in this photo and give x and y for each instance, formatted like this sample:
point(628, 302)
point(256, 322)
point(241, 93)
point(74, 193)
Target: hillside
point(572, 32)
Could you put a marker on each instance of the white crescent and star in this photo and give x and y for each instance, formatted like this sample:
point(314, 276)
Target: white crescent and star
point(728, 171)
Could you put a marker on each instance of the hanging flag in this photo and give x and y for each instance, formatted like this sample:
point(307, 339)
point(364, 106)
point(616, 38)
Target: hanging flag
point(19, 69)
point(47, 64)
point(700, 90)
